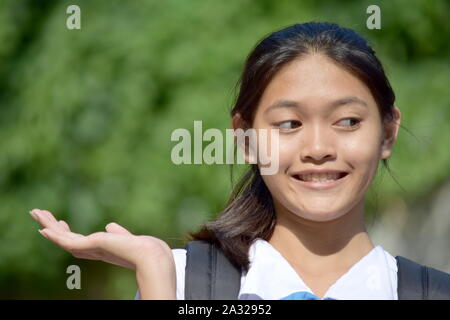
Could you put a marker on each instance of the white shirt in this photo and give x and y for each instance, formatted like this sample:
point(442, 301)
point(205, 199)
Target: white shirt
point(271, 277)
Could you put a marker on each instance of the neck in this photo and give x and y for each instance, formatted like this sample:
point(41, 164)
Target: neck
point(318, 247)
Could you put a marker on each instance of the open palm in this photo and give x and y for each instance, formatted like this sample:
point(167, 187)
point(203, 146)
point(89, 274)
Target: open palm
point(117, 245)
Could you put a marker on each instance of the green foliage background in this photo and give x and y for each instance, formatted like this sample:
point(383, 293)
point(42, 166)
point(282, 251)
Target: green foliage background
point(86, 117)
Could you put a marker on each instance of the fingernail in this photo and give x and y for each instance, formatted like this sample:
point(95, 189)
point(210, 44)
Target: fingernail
point(34, 211)
point(43, 233)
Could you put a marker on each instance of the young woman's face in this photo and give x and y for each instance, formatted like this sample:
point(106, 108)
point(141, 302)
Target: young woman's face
point(329, 122)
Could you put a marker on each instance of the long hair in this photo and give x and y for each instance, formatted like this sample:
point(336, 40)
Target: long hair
point(249, 213)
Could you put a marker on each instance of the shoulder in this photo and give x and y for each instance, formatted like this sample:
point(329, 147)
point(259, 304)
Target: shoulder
point(179, 256)
point(388, 264)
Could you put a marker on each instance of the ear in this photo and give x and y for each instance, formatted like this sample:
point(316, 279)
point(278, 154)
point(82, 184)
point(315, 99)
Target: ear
point(243, 143)
point(390, 134)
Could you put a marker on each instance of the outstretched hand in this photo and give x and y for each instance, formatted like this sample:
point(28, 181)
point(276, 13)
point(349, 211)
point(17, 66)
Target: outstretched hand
point(117, 245)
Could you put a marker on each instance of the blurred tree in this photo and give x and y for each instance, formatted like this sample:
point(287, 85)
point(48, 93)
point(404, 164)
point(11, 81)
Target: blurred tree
point(86, 117)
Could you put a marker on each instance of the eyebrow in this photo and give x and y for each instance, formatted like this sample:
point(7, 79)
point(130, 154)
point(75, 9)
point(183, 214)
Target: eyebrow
point(337, 103)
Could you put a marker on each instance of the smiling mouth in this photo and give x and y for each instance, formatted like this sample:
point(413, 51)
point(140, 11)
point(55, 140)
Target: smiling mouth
point(320, 181)
point(320, 177)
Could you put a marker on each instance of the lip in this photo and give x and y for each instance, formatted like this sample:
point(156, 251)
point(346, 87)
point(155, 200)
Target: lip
point(319, 185)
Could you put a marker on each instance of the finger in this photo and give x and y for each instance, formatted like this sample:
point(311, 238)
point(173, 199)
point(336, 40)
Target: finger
point(47, 220)
point(57, 224)
point(45, 213)
point(49, 215)
point(67, 240)
point(65, 225)
point(76, 244)
point(42, 216)
point(62, 228)
point(116, 228)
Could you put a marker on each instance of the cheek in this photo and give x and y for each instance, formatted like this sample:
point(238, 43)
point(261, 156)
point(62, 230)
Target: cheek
point(288, 155)
point(287, 150)
point(362, 151)
point(271, 145)
point(277, 186)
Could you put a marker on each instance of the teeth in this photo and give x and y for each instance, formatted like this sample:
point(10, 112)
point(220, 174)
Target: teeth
point(319, 177)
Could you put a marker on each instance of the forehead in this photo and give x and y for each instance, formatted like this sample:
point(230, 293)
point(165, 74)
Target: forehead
point(315, 81)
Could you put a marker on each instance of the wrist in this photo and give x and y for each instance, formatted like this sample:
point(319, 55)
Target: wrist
point(156, 278)
point(156, 284)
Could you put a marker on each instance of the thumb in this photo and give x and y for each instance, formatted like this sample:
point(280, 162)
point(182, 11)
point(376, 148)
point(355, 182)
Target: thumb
point(115, 228)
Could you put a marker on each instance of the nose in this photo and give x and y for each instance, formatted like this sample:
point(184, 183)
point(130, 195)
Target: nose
point(317, 145)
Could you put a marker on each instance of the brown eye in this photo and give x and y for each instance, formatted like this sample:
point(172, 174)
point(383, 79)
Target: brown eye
point(350, 122)
point(288, 125)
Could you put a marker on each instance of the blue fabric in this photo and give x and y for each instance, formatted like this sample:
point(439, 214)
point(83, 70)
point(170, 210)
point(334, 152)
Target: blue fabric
point(303, 295)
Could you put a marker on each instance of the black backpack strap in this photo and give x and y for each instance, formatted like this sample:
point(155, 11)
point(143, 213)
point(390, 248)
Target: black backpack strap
point(209, 274)
point(419, 282)
point(411, 278)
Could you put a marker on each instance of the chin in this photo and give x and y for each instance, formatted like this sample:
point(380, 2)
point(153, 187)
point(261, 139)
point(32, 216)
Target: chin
point(321, 213)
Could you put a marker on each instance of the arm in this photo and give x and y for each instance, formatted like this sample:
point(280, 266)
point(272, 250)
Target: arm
point(157, 281)
point(152, 285)
point(150, 257)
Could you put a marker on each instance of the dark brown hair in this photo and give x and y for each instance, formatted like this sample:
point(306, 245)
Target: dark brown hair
point(249, 213)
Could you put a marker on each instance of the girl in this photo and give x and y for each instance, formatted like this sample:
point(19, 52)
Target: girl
point(299, 233)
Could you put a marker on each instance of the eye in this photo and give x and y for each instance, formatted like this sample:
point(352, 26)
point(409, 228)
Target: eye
point(350, 122)
point(288, 125)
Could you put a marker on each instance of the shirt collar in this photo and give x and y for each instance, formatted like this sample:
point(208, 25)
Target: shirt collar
point(271, 277)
